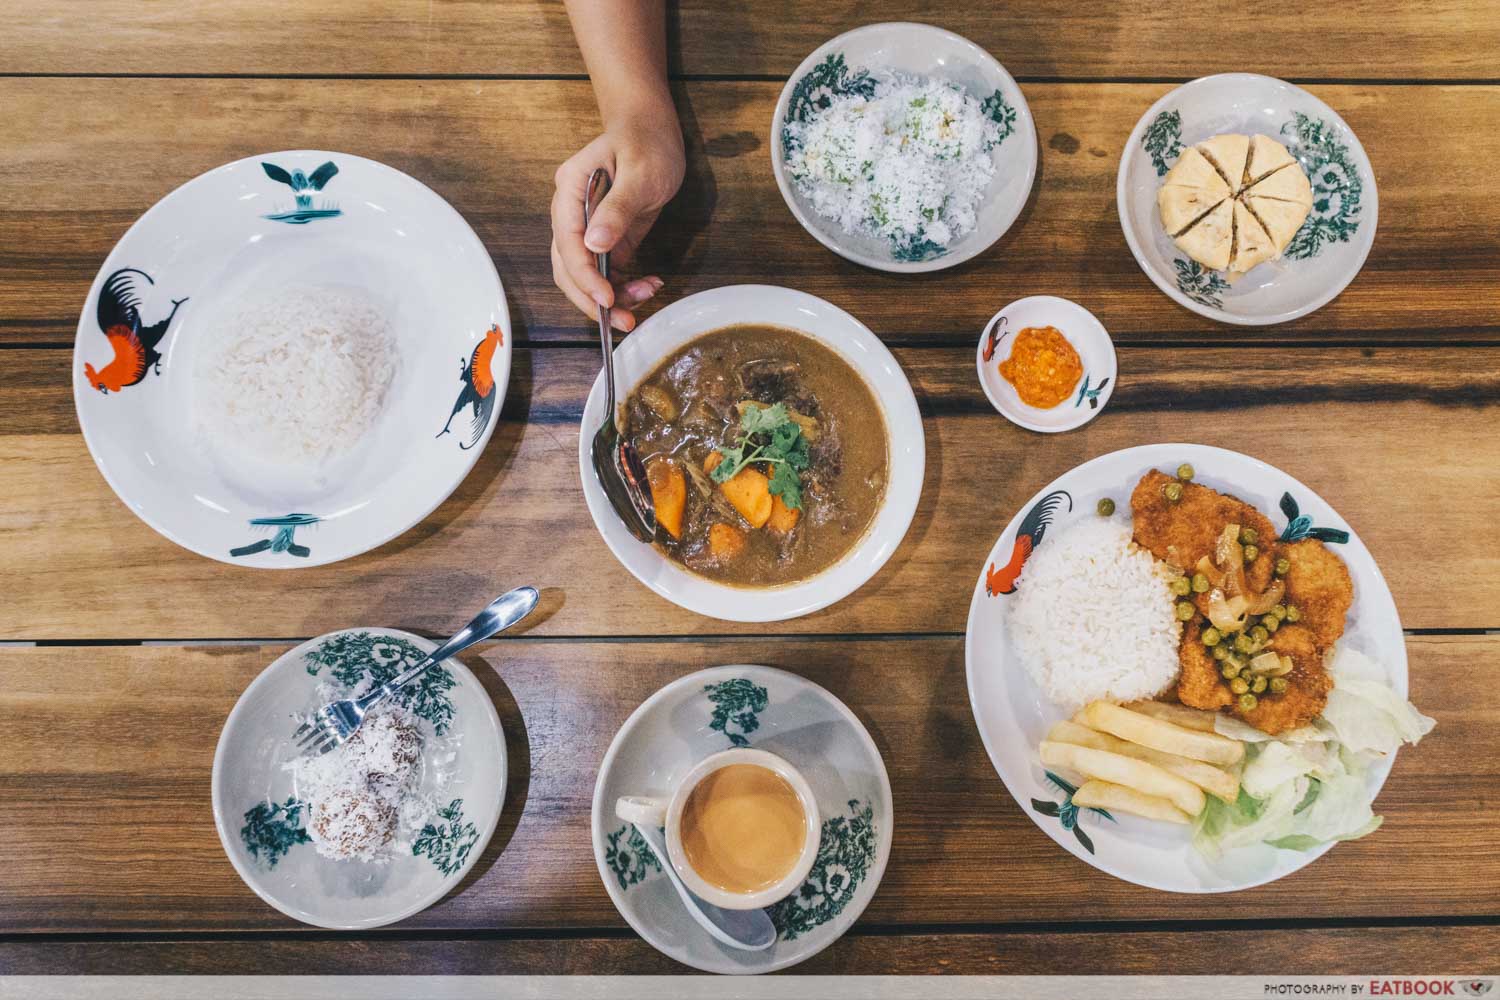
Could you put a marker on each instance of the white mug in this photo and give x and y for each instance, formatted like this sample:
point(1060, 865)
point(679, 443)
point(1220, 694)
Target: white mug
point(667, 813)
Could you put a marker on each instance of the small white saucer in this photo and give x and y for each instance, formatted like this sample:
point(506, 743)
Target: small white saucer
point(769, 709)
point(1084, 332)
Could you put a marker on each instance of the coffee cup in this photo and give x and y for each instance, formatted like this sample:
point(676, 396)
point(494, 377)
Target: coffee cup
point(742, 828)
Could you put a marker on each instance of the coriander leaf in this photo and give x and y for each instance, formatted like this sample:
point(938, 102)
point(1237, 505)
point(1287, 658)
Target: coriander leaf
point(734, 460)
point(789, 444)
point(786, 484)
point(763, 419)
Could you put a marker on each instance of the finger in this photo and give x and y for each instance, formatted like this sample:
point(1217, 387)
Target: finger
point(567, 243)
point(633, 293)
point(617, 214)
point(564, 280)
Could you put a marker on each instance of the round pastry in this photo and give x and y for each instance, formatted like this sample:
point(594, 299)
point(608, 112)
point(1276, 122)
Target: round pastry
point(352, 823)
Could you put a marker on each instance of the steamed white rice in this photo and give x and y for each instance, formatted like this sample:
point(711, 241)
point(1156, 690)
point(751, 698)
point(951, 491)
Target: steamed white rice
point(1092, 617)
point(296, 376)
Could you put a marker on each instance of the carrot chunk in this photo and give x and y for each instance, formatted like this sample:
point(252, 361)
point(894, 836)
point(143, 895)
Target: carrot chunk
point(668, 492)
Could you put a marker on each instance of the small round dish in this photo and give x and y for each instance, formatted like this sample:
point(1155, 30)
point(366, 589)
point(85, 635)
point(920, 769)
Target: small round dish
point(926, 51)
point(1014, 715)
point(246, 238)
point(1087, 335)
point(768, 709)
point(686, 320)
point(1324, 255)
point(262, 824)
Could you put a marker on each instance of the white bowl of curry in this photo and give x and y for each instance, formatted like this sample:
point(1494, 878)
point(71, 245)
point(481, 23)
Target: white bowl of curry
point(784, 447)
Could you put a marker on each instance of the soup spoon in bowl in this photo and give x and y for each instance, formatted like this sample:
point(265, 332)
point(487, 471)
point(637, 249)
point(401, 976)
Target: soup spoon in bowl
point(618, 465)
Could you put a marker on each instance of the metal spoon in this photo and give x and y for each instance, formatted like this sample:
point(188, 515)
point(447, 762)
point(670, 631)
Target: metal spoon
point(747, 930)
point(618, 465)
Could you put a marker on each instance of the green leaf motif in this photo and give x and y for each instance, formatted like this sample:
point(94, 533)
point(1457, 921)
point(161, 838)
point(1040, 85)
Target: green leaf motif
point(363, 661)
point(1337, 189)
point(1066, 813)
point(737, 705)
point(271, 829)
point(915, 249)
point(632, 860)
point(1300, 526)
point(846, 850)
point(449, 842)
point(1163, 140)
point(1198, 283)
point(816, 90)
point(1002, 114)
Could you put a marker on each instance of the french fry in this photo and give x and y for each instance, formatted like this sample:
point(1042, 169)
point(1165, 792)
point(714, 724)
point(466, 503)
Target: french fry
point(1180, 715)
point(1096, 794)
point(1207, 777)
point(1121, 770)
point(1163, 736)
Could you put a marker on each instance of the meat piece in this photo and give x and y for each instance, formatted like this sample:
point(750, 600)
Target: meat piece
point(1307, 685)
point(1182, 532)
point(1319, 584)
point(1199, 684)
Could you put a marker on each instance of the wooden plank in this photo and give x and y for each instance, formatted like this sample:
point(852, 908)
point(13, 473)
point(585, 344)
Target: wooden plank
point(1401, 441)
point(1042, 38)
point(140, 852)
point(491, 147)
point(1201, 952)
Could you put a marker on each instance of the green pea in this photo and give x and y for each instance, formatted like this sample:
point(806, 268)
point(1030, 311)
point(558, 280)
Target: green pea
point(1185, 472)
point(1172, 491)
point(1220, 652)
point(1252, 552)
point(1270, 623)
point(1229, 673)
point(1106, 507)
point(1278, 685)
point(1243, 644)
point(1211, 636)
point(1185, 611)
point(1180, 586)
point(1283, 566)
point(1279, 612)
point(1259, 633)
point(1293, 614)
point(1258, 685)
point(1249, 536)
point(1238, 685)
point(1248, 702)
point(1200, 583)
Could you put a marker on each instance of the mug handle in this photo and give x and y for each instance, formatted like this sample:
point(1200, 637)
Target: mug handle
point(640, 809)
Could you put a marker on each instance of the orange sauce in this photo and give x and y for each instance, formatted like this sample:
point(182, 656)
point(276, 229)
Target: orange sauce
point(1042, 366)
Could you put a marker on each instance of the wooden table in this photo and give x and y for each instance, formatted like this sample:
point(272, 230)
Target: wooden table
point(112, 695)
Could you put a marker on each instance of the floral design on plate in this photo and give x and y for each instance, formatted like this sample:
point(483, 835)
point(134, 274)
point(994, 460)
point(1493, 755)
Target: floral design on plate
point(1163, 140)
point(631, 861)
point(1066, 812)
point(285, 538)
point(818, 87)
point(1028, 537)
point(1300, 526)
point(362, 661)
point(118, 312)
point(302, 186)
point(1198, 283)
point(1337, 189)
point(846, 849)
point(448, 842)
point(273, 828)
point(479, 387)
point(737, 707)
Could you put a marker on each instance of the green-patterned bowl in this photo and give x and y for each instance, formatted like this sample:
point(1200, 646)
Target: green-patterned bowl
point(1326, 253)
point(262, 822)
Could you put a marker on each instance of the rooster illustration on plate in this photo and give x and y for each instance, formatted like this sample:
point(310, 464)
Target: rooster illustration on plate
point(134, 344)
point(478, 378)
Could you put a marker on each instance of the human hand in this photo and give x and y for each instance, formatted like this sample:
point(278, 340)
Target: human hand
point(645, 160)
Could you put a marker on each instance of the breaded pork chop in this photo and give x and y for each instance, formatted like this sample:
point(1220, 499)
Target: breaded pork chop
point(1319, 584)
point(1182, 532)
point(1307, 685)
point(1199, 683)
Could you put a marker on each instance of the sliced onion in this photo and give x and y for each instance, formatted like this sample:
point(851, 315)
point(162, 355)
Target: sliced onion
point(1208, 569)
point(1266, 663)
point(1227, 614)
point(1268, 600)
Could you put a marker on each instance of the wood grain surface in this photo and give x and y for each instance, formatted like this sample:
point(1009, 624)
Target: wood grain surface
point(105, 756)
point(81, 566)
point(490, 147)
point(1199, 950)
point(1040, 39)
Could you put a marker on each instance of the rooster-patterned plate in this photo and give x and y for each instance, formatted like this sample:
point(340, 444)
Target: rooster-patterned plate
point(1014, 715)
point(1324, 255)
point(292, 359)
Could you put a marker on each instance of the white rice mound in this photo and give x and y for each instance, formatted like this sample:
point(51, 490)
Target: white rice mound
point(1092, 617)
point(296, 376)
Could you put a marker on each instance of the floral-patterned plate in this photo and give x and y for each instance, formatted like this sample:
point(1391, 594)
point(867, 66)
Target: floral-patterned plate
point(269, 235)
point(263, 824)
point(770, 709)
point(1013, 714)
point(1329, 249)
point(844, 65)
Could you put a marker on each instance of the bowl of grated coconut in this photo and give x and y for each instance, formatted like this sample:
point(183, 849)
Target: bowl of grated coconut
point(903, 147)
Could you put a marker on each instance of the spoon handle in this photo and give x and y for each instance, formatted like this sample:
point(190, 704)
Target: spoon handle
point(598, 187)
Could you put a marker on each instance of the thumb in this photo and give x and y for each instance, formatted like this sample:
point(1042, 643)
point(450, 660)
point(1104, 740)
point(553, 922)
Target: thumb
point(615, 214)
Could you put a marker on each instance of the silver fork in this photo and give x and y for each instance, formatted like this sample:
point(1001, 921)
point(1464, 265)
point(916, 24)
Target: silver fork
point(335, 722)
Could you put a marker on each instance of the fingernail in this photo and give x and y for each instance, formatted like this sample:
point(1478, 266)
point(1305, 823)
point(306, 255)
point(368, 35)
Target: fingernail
point(598, 239)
